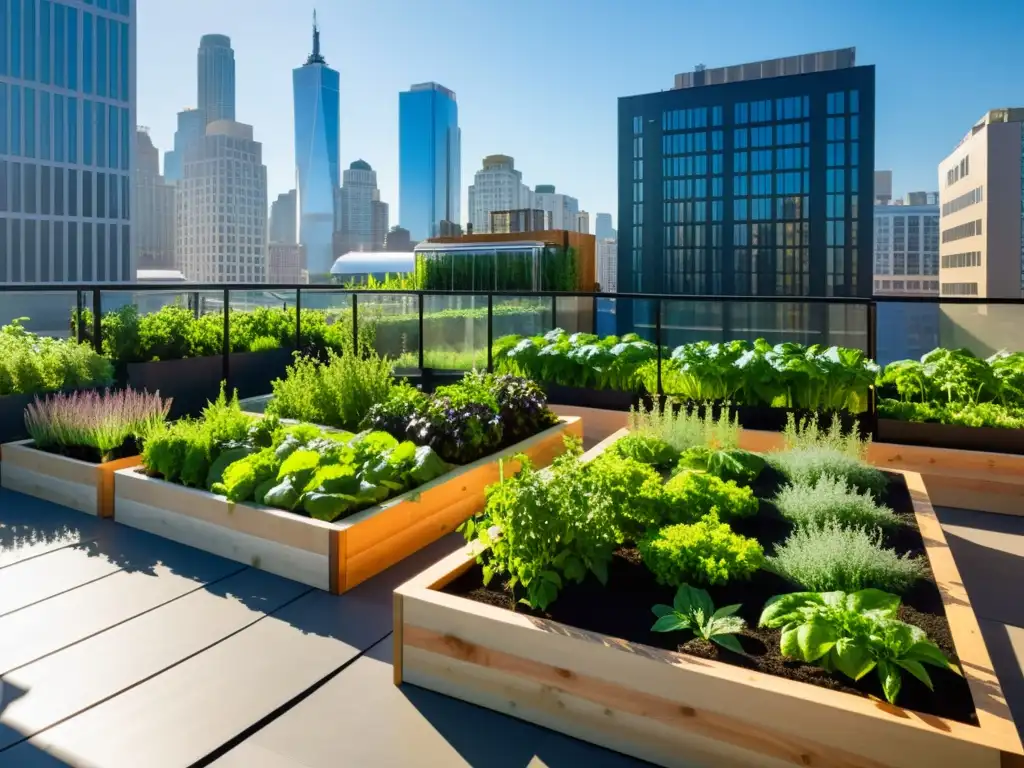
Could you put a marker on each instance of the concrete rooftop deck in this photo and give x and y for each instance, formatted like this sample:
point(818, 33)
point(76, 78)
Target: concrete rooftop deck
point(121, 650)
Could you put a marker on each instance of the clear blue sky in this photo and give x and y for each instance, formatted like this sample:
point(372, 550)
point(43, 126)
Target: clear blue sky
point(539, 79)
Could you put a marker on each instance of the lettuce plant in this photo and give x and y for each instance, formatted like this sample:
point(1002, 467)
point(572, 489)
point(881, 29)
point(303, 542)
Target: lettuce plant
point(102, 423)
point(705, 552)
point(693, 610)
point(854, 633)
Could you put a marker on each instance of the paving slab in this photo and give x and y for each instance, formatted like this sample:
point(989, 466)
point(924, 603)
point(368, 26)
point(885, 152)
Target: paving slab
point(30, 527)
point(171, 571)
point(193, 709)
point(355, 718)
point(86, 673)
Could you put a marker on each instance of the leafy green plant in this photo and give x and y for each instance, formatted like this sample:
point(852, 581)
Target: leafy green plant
point(854, 633)
point(830, 499)
point(684, 428)
point(742, 467)
point(705, 552)
point(703, 371)
point(540, 530)
point(692, 609)
point(647, 449)
point(31, 364)
point(832, 556)
point(691, 495)
point(634, 490)
point(338, 393)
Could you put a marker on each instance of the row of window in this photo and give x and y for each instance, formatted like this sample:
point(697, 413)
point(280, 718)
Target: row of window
point(770, 209)
point(959, 289)
point(787, 235)
point(907, 264)
point(693, 165)
point(690, 211)
point(685, 119)
point(837, 103)
point(790, 108)
point(958, 171)
point(39, 43)
point(906, 285)
point(38, 124)
point(836, 155)
point(688, 189)
point(686, 143)
point(55, 191)
point(963, 201)
point(970, 229)
point(835, 128)
point(968, 259)
point(44, 251)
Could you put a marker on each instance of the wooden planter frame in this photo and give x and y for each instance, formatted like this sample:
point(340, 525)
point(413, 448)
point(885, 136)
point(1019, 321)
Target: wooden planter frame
point(72, 483)
point(331, 556)
point(676, 710)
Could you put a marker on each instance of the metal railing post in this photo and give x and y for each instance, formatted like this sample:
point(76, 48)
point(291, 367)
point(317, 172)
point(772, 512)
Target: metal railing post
point(490, 333)
point(421, 355)
point(355, 324)
point(298, 319)
point(593, 319)
point(226, 345)
point(872, 351)
point(657, 342)
point(79, 324)
point(97, 327)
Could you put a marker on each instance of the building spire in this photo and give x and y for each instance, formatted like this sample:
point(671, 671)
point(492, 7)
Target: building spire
point(315, 57)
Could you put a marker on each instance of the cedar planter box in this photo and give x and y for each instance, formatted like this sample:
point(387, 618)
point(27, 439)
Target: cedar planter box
point(680, 710)
point(332, 556)
point(195, 381)
point(72, 483)
point(994, 439)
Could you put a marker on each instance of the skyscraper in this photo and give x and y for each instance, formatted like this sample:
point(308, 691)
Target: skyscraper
point(191, 127)
point(154, 208)
point(498, 186)
point(67, 121)
point(563, 208)
point(222, 207)
point(216, 67)
point(284, 220)
point(603, 227)
point(316, 157)
point(429, 157)
point(362, 219)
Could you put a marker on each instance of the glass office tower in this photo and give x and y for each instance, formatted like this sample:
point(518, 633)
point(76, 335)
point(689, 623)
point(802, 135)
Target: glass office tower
point(67, 140)
point(429, 157)
point(751, 180)
point(216, 68)
point(316, 157)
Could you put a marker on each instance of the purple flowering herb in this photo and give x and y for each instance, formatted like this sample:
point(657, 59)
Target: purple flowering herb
point(92, 420)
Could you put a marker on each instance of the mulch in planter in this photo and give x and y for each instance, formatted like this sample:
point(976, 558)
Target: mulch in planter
point(128, 448)
point(622, 609)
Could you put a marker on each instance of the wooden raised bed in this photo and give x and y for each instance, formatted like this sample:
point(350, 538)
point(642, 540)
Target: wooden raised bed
point(72, 483)
point(332, 556)
point(679, 710)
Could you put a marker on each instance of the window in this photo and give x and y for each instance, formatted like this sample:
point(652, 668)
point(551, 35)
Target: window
point(963, 201)
point(88, 40)
point(957, 260)
point(970, 229)
point(72, 54)
point(959, 289)
point(45, 40)
point(836, 103)
point(102, 56)
point(72, 108)
point(59, 45)
point(854, 102)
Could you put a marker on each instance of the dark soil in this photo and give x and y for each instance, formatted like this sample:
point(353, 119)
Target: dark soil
point(623, 609)
point(129, 447)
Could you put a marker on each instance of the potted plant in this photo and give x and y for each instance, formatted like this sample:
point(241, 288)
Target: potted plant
point(77, 441)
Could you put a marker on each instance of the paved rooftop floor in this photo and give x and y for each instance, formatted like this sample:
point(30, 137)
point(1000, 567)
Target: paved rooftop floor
point(119, 649)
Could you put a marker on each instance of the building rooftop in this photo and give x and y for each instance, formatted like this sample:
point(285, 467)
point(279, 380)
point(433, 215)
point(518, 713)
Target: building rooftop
point(823, 61)
point(433, 87)
point(360, 165)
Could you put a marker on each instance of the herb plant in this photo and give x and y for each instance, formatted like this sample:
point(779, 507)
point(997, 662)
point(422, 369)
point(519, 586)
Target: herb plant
point(691, 495)
point(833, 556)
point(542, 529)
point(684, 428)
point(693, 610)
point(705, 552)
point(812, 452)
point(830, 499)
point(854, 634)
point(92, 425)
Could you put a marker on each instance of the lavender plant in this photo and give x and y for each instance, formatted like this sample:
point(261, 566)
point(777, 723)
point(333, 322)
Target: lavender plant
point(93, 423)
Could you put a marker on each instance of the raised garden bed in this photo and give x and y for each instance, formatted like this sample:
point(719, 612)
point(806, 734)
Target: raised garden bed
point(331, 556)
point(82, 485)
point(607, 399)
point(992, 439)
point(594, 670)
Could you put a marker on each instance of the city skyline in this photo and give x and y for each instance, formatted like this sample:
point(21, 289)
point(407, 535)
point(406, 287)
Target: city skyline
point(556, 150)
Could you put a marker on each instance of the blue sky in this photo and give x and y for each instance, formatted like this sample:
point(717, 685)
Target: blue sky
point(539, 79)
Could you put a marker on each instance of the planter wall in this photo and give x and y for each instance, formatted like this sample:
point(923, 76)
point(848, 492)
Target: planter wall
point(72, 483)
point(331, 556)
point(994, 439)
point(678, 710)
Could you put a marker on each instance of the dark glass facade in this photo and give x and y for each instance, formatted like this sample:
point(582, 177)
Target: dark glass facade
point(751, 188)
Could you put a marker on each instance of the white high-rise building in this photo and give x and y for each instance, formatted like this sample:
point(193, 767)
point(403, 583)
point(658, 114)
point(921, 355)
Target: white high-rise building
point(603, 227)
point(563, 208)
point(608, 265)
point(906, 249)
point(498, 186)
point(361, 218)
point(154, 208)
point(67, 141)
point(222, 207)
